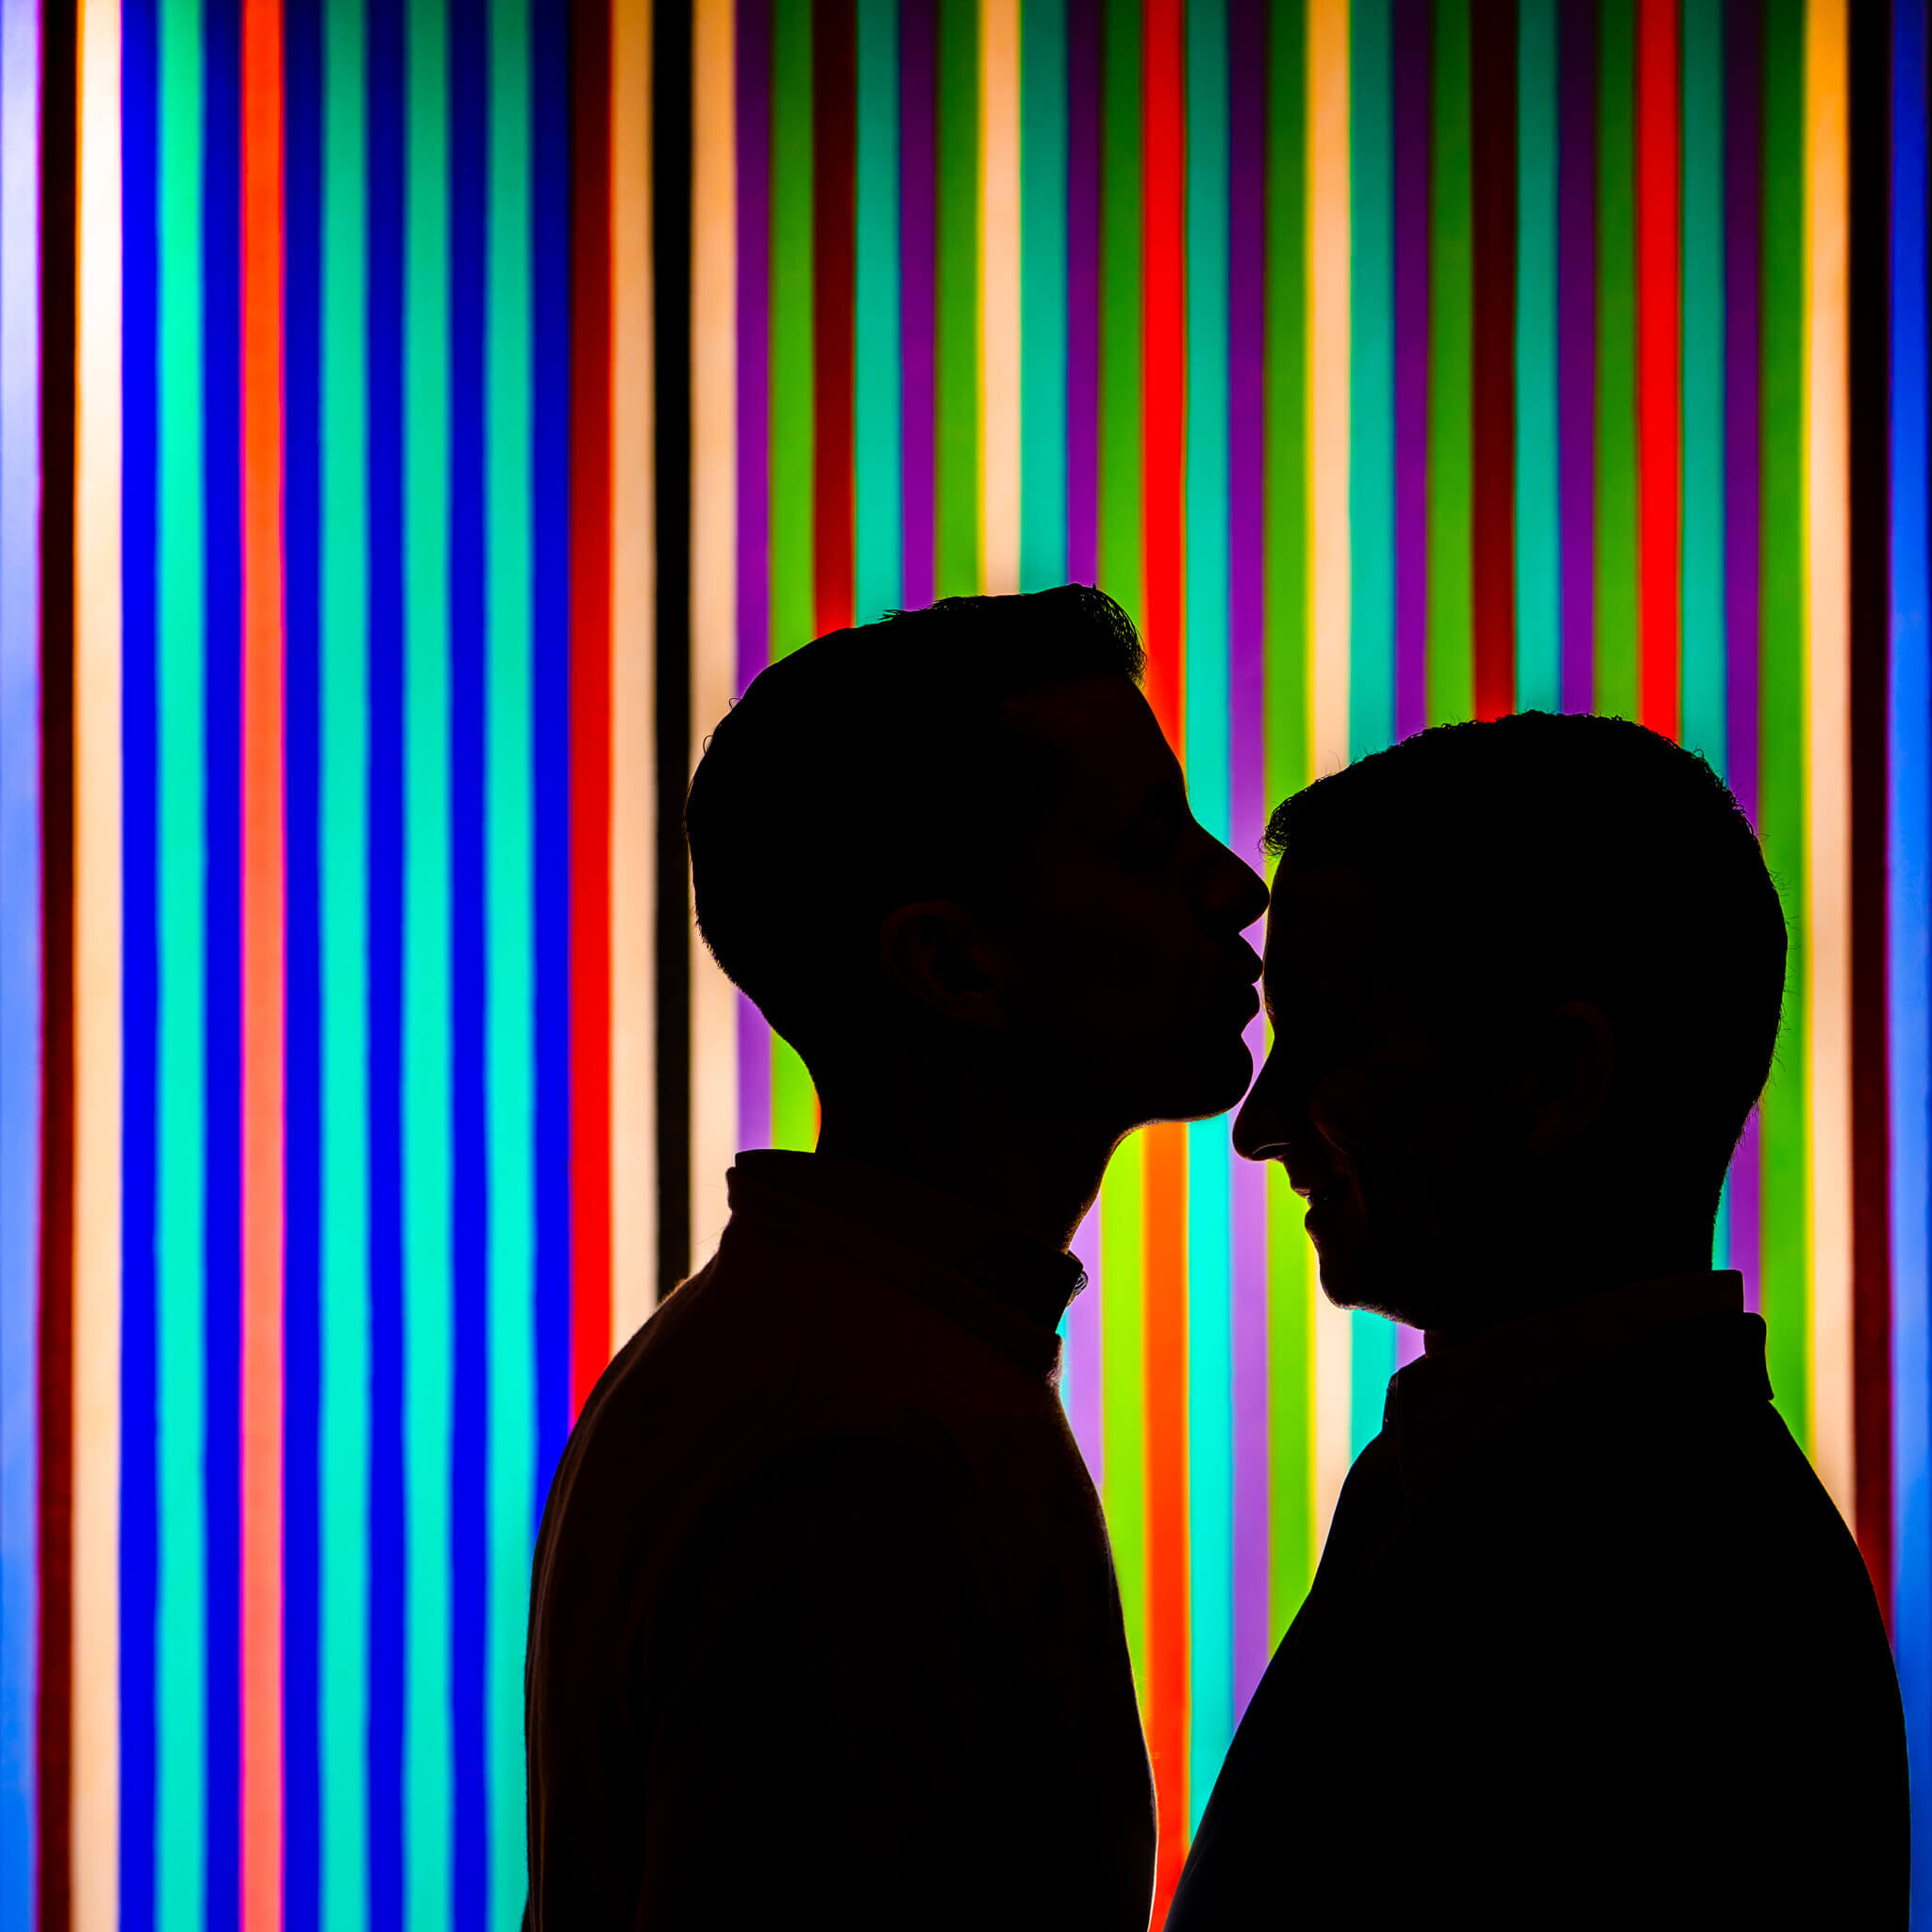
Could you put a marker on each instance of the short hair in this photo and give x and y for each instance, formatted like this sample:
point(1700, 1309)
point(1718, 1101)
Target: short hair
point(1539, 857)
point(872, 767)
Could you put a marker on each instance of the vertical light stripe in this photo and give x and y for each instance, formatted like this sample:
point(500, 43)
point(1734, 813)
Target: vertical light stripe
point(1828, 878)
point(1372, 1361)
point(1785, 1266)
point(792, 340)
point(94, 1871)
point(1450, 649)
point(428, 1264)
point(633, 712)
point(1286, 660)
point(1280, 105)
point(1081, 1330)
point(794, 1104)
point(1210, 1450)
point(1660, 211)
point(759, 272)
point(791, 333)
point(1409, 127)
point(1310, 1341)
point(1743, 452)
point(1576, 347)
point(1118, 519)
point(20, 949)
point(919, 289)
point(1372, 383)
point(1296, 1520)
point(510, 990)
point(1334, 1379)
point(1123, 1391)
point(1044, 129)
point(1369, 1345)
point(1330, 563)
point(1328, 379)
point(715, 569)
point(1539, 552)
point(1703, 389)
point(958, 503)
point(1205, 709)
point(343, 1456)
point(877, 522)
point(1118, 548)
point(179, 826)
point(1163, 307)
point(1247, 416)
point(999, 340)
point(1616, 367)
point(265, 898)
point(1909, 942)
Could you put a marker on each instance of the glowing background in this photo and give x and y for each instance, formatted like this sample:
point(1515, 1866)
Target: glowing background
point(1392, 361)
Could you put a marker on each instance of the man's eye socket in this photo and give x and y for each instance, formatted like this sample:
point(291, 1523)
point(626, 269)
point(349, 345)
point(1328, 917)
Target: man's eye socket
point(1155, 833)
point(1150, 845)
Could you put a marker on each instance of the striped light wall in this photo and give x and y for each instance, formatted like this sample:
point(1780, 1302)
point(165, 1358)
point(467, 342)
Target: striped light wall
point(419, 421)
point(347, 1071)
point(1395, 363)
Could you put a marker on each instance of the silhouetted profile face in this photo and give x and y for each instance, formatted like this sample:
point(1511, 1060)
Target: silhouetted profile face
point(951, 857)
point(1119, 946)
point(1523, 977)
point(1411, 1158)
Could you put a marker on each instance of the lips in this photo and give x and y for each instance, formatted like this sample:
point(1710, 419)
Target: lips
point(1325, 1205)
point(1317, 1180)
point(1314, 1182)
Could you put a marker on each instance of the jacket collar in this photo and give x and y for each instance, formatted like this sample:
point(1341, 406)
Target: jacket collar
point(1451, 1400)
point(1007, 1287)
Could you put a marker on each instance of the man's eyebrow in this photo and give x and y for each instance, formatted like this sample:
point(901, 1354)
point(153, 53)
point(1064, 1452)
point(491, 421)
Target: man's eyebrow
point(1165, 794)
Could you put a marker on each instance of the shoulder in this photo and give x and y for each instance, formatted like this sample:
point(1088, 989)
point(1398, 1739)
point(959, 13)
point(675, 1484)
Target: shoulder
point(853, 1469)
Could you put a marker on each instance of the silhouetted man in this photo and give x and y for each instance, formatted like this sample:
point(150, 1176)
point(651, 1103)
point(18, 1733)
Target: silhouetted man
point(1589, 1643)
point(825, 1626)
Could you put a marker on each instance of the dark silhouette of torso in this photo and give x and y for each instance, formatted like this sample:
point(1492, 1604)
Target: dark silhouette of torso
point(1588, 1644)
point(825, 1626)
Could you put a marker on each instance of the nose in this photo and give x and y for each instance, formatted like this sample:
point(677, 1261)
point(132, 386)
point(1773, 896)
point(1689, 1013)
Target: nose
point(1238, 893)
point(1257, 1127)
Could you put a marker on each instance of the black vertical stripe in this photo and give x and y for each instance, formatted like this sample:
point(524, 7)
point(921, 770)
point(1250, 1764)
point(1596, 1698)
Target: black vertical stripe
point(671, 246)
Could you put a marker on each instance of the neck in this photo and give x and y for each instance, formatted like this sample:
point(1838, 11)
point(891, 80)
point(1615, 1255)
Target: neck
point(1567, 1269)
point(1035, 1173)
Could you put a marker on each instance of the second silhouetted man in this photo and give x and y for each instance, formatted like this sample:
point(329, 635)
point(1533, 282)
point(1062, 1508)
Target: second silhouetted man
point(1589, 1643)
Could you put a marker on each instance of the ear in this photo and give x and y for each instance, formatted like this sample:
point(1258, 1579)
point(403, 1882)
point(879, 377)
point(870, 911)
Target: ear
point(939, 957)
point(1573, 1067)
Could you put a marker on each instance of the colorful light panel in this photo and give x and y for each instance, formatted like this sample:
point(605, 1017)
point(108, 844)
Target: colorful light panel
point(1392, 361)
point(1395, 363)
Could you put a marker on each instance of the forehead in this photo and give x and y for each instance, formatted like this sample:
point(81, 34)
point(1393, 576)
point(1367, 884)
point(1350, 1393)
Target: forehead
point(1093, 719)
point(1324, 939)
point(1319, 913)
point(1100, 754)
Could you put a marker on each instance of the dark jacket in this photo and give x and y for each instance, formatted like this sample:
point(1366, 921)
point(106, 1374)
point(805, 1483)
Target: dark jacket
point(824, 1625)
point(1588, 1644)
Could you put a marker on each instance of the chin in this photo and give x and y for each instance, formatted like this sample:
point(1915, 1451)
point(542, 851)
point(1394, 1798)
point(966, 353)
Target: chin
point(1345, 1260)
point(1351, 1279)
point(1197, 1088)
point(1220, 1084)
point(1337, 1284)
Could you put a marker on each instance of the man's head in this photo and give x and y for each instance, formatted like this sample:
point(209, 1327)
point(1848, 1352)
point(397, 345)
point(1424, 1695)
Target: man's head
point(957, 837)
point(1525, 978)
